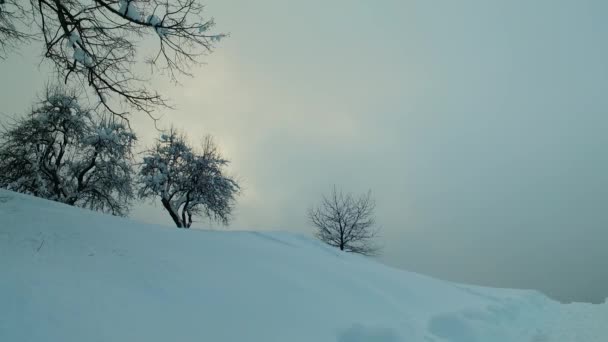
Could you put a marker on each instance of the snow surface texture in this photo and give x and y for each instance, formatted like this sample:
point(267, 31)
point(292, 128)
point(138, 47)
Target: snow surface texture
point(71, 275)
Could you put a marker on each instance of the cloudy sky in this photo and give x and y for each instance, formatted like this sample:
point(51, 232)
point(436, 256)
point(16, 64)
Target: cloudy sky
point(479, 126)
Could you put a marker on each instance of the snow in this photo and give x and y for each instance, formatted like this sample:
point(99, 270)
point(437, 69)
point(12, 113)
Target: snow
point(153, 20)
point(72, 275)
point(75, 42)
point(74, 39)
point(130, 10)
point(205, 27)
point(216, 38)
point(82, 56)
point(156, 22)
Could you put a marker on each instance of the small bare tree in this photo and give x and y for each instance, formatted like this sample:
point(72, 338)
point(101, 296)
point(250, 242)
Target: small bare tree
point(188, 182)
point(346, 222)
point(96, 42)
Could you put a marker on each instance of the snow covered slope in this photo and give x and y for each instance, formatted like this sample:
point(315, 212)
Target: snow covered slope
point(71, 275)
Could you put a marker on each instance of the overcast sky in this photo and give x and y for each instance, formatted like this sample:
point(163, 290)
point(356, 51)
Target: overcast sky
point(479, 126)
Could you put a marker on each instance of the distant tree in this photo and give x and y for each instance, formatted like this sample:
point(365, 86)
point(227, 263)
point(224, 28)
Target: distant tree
point(96, 42)
point(61, 152)
point(188, 182)
point(346, 222)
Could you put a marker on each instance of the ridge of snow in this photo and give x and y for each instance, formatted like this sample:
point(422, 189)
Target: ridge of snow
point(72, 275)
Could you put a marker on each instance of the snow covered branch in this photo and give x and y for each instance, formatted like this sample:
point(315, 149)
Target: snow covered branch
point(94, 42)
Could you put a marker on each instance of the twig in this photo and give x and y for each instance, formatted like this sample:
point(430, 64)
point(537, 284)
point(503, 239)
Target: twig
point(42, 243)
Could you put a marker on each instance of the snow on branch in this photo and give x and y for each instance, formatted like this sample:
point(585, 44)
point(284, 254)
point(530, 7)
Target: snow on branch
point(95, 42)
point(63, 152)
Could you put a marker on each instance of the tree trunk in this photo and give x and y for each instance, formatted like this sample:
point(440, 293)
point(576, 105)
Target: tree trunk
point(185, 222)
point(173, 214)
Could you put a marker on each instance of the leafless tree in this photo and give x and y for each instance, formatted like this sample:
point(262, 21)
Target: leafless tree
point(63, 152)
point(346, 222)
point(188, 182)
point(12, 15)
point(94, 42)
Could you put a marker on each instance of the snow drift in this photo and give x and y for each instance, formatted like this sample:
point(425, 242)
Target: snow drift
point(71, 275)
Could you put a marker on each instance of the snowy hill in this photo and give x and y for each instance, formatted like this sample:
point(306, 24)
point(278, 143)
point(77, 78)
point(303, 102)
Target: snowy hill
point(71, 275)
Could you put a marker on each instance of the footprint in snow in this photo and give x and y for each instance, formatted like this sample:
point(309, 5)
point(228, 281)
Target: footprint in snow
point(360, 333)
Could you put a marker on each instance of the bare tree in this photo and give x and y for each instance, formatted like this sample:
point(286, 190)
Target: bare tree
point(62, 152)
point(188, 182)
point(94, 42)
point(12, 15)
point(346, 222)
